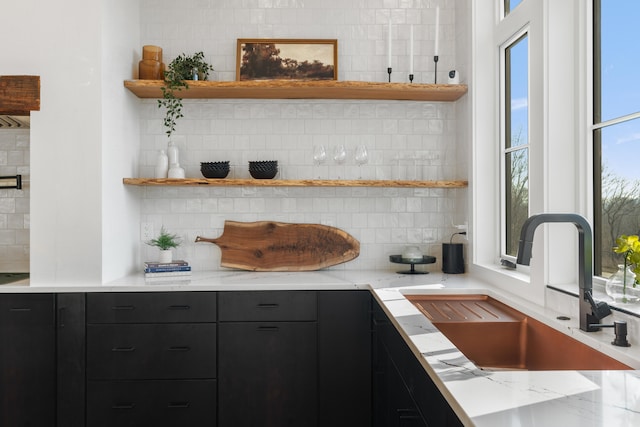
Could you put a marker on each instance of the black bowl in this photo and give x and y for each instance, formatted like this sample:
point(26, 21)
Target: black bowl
point(263, 174)
point(263, 165)
point(214, 169)
point(266, 169)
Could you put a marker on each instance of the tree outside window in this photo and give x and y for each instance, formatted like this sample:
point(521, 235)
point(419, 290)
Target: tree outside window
point(516, 143)
point(616, 128)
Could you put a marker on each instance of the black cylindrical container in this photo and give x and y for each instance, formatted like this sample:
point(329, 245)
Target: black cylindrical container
point(452, 258)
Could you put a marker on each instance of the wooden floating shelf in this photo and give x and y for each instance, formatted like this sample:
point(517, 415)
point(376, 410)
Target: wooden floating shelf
point(19, 95)
point(286, 89)
point(195, 182)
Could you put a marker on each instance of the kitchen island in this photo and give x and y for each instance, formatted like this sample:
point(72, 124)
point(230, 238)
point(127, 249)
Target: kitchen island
point(478, 397)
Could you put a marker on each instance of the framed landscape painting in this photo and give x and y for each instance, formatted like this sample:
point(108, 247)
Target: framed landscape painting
point(287, 59)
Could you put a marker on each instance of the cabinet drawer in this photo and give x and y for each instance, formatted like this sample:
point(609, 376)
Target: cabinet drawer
point(27, 310)
point(151, 307)
point(268, 306)
point(151, 403)
point(151, 351)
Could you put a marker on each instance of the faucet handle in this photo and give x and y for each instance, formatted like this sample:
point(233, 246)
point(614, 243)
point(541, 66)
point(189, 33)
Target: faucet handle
point(600, 309)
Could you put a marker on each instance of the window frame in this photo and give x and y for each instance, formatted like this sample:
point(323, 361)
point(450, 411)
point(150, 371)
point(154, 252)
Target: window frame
point(558, 162)
point(505, 130)
point(597, 124)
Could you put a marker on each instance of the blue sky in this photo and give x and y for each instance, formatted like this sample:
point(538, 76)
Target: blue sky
point(519, 91)
point(514, 3)
point(620, 73)
point(621, 85)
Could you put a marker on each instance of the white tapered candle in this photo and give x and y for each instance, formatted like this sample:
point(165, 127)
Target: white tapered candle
point(389, 46)
point(411, 50)
point(437, 30)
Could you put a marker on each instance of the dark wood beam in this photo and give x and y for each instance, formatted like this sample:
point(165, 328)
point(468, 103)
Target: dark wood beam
point(19, 95)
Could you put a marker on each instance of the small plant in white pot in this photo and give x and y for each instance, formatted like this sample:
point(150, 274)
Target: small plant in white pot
point(165, 242)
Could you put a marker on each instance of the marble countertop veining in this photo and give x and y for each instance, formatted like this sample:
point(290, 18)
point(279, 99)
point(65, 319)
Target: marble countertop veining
point(516, 398)
point(479, 397)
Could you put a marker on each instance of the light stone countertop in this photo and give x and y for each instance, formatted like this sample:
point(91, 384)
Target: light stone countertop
point(516, 398)
point(479, 397)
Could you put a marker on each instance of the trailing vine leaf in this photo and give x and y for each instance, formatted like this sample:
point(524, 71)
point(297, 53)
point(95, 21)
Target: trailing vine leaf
point(173, 104)
point(180, 70)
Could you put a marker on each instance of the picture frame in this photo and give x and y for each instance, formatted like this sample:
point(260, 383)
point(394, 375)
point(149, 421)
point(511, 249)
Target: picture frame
point(287, 59)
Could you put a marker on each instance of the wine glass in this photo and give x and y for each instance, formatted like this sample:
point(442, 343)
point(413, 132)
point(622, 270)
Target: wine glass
point(361, 158)
point(319, 155)
point(339, 155)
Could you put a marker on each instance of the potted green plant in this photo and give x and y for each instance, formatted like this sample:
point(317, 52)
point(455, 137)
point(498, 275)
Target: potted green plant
point(165, 242)
point(617, 286)
point(179, 71)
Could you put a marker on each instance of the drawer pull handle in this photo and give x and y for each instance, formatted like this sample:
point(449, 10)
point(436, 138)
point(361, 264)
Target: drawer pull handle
point(178, 405)
point(267, 305)
point(124, 406)
point(180, 348)
point(408, 414)
point(19, 309)
point(179, 307)
point(268, 329)
point(123, 307)
point(124, 349)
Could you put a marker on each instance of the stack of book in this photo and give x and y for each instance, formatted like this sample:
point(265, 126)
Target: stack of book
point(175, 270)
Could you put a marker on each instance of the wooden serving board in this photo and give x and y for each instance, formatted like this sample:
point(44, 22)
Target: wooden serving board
point(278, 246)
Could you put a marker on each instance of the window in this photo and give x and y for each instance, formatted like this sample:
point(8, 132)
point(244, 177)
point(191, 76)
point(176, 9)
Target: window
point(509, 137)
point(616, 127)
point(509, 5)
point(516, 141)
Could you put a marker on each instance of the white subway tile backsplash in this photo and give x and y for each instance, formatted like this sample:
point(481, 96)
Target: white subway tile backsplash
point(405, 140)
point(14, 204)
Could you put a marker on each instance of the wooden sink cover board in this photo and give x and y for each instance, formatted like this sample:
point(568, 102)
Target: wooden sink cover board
point(279, 246)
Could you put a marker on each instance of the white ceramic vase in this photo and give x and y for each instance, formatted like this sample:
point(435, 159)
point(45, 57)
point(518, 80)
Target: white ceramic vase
point(166, 256)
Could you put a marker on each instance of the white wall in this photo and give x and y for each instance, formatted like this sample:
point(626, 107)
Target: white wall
point(464, 134)
point(84, 224)
point(120, 138)
point(384, 220)
point(65, 134)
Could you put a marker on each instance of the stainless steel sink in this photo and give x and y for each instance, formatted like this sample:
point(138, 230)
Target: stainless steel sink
point(495, 336)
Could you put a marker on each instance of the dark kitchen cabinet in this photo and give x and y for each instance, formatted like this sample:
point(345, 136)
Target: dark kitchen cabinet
point(394, 404)
point(267, 359)
point(295, 358)
point(152, 403)
point(27, 360)
point(151, 359)
point(151, 351)
point(403, 393)
point(344, 357)
point(71, 363)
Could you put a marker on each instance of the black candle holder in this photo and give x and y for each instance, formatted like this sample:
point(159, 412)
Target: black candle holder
point(389, 70)
point(410, 78)
point(435, 60)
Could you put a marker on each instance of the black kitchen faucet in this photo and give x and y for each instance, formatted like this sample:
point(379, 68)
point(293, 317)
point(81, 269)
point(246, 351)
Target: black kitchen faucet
point(591, 311)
